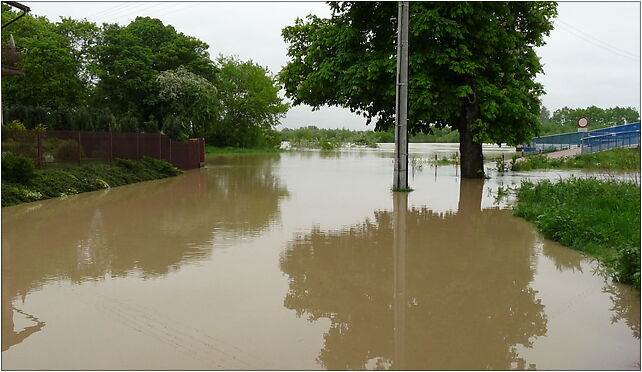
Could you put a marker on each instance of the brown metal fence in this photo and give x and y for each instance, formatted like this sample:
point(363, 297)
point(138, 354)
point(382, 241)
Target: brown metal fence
point(49, 147)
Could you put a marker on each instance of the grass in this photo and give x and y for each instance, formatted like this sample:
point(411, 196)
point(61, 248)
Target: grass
point(74, 179)
point(616, 159)
point(401, 189)
point(600, 218)
point(453, 159)
point(238, 150)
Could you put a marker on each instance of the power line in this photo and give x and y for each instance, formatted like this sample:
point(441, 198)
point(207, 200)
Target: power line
point(598, 40)
point(120, 10)
point(603, 45)
point(108, 10)
point(176, 10)
point(128, 12)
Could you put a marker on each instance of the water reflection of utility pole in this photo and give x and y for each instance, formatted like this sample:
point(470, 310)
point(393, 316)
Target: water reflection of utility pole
point(400, 208)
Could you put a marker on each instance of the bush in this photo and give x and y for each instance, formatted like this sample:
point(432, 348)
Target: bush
point(126, 163)
point(15, 125)
point(161, 166)
point(17, 169)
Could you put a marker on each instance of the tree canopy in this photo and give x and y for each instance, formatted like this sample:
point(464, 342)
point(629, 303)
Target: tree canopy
point(565, 119)
point(250, 104)
point(145, 76)
point(471, 67)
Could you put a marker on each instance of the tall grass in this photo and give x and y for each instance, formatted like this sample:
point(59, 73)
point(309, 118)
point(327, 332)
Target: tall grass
point(616, 159)
point(599, 217)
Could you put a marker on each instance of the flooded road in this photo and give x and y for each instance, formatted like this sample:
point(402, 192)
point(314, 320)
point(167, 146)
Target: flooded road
point(305, 260)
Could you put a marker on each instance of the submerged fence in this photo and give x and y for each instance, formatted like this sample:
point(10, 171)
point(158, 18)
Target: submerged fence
point(49, 147)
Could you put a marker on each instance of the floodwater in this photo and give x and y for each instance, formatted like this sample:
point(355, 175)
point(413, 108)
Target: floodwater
point(305, 260)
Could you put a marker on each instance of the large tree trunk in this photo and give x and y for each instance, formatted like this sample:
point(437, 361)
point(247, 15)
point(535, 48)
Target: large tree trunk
point(472, 159)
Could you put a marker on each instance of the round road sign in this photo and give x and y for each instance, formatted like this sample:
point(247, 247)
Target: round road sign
point(583, 122)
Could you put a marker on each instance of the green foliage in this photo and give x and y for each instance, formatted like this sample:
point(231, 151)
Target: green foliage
point(52, 70)
point(472, 66)
point(66, 180)
point(16, 125)
point(444, 160)
point(565, 119)
point(128, 61)
point(126, 163)
point(190, 101)
point(502, 166)
point(401, 189)
point(238, 150)
point(160, 166)
point(250, 104)
point(62, 118)
point(616, 159)
point(17, 169)
point(142, 77)
point(601, 218)
point(313, 137)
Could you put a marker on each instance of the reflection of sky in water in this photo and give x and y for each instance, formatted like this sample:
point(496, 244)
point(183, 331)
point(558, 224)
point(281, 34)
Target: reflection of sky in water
point(165, 273)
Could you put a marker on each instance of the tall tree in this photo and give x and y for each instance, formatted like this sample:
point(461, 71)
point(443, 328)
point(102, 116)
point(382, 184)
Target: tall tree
point(251, 106)
point(129, 60)
point(472, 67)
point(190, 103)
point(51, 70)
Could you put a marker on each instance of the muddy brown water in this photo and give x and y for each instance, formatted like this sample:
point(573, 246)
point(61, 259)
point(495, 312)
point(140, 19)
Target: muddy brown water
point(305, 260)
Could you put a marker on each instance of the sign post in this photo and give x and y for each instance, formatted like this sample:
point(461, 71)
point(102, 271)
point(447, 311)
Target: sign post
point(582, 124)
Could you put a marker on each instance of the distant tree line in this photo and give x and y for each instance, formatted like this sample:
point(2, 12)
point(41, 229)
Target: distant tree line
point(565, 119)
point(144, 77)
point(313, 137)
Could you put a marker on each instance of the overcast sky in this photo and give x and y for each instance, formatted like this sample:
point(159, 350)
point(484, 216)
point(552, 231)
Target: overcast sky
point(592, 57)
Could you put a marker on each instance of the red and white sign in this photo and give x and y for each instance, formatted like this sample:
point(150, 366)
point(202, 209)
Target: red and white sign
point(583, 122)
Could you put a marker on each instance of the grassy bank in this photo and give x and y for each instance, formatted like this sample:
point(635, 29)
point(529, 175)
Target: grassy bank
point(601, 218)
point(238, 150)
point(65, 180)
point(616, 159)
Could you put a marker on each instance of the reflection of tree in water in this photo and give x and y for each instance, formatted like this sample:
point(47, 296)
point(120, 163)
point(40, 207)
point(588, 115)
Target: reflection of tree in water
point(626, 301)
point(467, 300)
point(564, 259)
point(150, 228)
point(626, 306)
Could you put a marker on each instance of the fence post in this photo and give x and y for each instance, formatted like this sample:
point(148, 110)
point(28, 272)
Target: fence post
point(170, 150)
point(39, 144)
point(137, 146)
point(111, 147)
point(79, 148)
point(160, 146)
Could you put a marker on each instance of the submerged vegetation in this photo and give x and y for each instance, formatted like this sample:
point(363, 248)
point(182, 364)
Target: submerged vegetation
point(601, 218)
point(328, 139)
point(616, 159)
point(238, 150)
point(21, 184)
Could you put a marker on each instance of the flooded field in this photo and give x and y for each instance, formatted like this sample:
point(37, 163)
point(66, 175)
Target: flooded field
point(305, 260)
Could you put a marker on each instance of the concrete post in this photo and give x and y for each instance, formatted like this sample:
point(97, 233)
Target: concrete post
point(401, 117)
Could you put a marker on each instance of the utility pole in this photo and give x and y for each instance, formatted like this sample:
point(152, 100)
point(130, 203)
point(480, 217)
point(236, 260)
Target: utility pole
point(401, 109)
